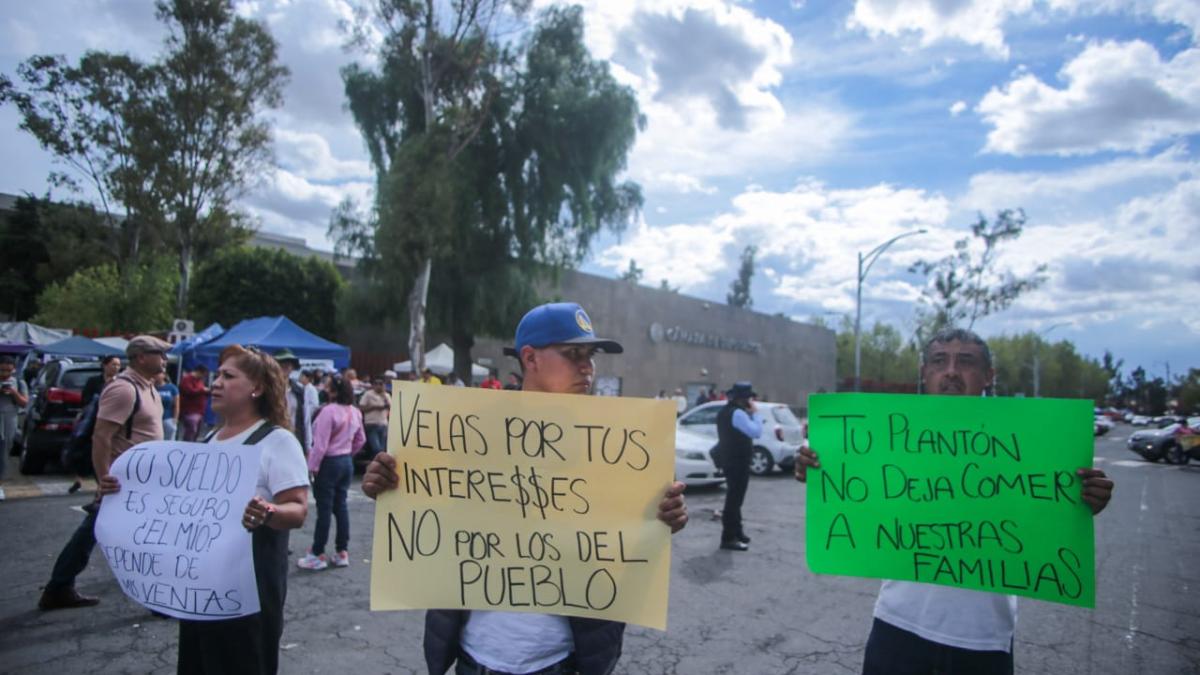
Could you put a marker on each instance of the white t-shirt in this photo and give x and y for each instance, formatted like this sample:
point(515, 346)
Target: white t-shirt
point(951, 616)
point(282, 464)
point(517, 642)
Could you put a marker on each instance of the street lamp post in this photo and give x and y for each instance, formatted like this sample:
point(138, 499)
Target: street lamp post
point(869, 259)
point(1037, 364)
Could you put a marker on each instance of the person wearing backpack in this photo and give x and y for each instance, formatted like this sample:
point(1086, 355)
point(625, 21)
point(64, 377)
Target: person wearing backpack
point(77, 453)
point(249, 396)
point(129, 412)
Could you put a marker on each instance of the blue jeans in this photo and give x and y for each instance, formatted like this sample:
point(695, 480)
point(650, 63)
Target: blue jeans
point(74, 557)
point(376, 439)
point(330, 490)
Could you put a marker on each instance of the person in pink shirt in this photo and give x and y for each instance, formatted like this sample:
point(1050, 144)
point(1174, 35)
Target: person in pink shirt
point(337, 433)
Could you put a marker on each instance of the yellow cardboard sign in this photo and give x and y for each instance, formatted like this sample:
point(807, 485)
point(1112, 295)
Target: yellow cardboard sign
point(528, 502)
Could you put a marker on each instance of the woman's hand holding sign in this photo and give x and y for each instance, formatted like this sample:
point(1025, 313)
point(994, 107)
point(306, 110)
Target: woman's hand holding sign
point(108, 485)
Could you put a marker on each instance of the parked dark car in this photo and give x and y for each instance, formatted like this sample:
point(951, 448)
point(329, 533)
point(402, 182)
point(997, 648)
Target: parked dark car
point(1156, 444)
point(55, 400)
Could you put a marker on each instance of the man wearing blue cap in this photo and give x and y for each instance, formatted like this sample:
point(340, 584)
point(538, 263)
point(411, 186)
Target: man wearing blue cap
point(737, 427)
point(556, 347)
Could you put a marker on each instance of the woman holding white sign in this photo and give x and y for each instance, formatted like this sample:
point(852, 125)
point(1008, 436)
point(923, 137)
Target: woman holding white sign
point(249, 396)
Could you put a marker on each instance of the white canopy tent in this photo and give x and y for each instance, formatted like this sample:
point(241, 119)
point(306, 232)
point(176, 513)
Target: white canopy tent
point(440, 360)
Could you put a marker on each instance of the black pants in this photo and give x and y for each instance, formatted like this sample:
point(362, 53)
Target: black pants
point(895, 651)
point(248, 645)
point(74, 557)
point(737, 479)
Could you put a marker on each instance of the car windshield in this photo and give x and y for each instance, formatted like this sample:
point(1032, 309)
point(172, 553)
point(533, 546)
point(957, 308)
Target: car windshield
point(784, 416)
point(75, 379)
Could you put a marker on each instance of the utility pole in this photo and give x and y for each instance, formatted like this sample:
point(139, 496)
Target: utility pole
point(869, 259)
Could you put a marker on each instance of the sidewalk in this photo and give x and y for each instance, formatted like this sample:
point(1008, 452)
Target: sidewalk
point(19, 486)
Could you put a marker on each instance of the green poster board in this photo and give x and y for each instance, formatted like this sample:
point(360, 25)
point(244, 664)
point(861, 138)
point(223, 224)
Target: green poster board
point(961, 491)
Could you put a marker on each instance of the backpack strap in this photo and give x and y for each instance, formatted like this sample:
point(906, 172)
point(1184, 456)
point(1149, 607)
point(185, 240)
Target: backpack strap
point(254, 438)
point(137, 405)
point(260, 433)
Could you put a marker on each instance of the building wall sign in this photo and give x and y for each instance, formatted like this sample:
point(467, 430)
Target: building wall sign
point(659, 333)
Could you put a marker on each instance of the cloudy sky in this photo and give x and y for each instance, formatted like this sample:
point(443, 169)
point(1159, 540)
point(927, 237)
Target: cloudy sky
point(816, 130)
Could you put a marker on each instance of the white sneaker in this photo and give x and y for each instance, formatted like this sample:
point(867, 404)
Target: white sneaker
point(312, 562)
point(341, 559)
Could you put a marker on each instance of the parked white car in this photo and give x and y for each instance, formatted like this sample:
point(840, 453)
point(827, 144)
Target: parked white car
point(693, 464)
point(783, 433)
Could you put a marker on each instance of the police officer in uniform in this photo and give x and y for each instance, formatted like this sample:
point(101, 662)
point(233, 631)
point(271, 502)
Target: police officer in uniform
point(737, 427)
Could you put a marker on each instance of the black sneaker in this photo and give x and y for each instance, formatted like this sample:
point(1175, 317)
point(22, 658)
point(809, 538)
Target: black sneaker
point(735, 546)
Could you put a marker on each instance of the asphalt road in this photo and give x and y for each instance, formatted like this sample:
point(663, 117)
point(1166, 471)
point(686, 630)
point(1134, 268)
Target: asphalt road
point(745, 613)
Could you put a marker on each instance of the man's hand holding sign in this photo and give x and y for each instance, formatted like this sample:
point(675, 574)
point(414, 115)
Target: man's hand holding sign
point(527, 503)
point(955, 494)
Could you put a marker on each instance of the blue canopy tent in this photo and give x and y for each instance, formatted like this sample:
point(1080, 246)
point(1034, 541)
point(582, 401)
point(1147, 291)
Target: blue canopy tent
point(77, 345)
point(272, 334)
point(185, 350)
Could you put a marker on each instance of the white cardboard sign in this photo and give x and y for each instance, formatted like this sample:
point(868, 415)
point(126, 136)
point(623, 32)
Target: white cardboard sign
point(173, 535)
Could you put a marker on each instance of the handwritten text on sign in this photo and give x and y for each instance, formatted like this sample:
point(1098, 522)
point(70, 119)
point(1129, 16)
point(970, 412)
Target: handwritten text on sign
point(523, 501)
point(173, 535)
point(962, 491)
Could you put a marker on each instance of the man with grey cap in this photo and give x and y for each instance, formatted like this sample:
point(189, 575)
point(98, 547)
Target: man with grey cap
point(130, 412)
point(556, 347)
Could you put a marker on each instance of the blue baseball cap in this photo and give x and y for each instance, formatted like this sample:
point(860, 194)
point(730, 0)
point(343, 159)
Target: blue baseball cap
point(559, 323)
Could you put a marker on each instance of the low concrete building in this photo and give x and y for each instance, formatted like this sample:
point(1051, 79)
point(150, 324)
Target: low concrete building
point(675, 341)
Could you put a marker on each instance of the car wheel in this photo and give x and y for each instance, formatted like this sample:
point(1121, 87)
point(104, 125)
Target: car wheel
point(761, 462)
point(31, 463)
point(1176, 455)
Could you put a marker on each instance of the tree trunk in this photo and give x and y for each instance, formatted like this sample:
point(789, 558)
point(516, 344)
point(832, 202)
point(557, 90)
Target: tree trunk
point(462, 341)
point(420, 291)
point(185, 277)
point(416, 313)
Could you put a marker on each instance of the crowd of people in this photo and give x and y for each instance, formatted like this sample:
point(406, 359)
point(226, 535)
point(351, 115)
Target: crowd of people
point(310, 425)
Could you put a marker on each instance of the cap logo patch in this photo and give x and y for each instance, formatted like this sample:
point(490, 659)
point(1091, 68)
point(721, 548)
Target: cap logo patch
point(583, 321)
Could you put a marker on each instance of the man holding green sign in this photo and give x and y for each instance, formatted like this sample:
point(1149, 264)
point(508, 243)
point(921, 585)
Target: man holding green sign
point(960, 501)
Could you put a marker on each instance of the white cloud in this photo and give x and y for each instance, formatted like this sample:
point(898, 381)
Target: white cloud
point(981, 23)
point(1117, 96)
point(707, 75)
point(307, 154)
point(958, 108)
point(806, 237)
point(992, 190)
point(681, 182)
point(975, 22)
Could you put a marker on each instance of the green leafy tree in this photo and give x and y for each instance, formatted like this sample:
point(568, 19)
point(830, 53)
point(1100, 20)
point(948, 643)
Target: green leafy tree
point(92, 118)
point(739, 289)
point(666, 286)
point(504, 181)
point(889, 362)
point(969, 284)
point(428, 100)
point(96, 298)
point(42, 242)
point(243, 283)
point(219, 74)
point(166, 146)
point(634, 274)
point(1061, 371)
point(1189, 392)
